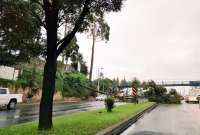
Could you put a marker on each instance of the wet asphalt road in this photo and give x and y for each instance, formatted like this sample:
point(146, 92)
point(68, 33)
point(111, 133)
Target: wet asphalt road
point(168, 120)
point(26, 113)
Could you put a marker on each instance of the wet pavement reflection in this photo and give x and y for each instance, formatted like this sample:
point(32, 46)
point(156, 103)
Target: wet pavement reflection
point(26, 113)
point(181, 119)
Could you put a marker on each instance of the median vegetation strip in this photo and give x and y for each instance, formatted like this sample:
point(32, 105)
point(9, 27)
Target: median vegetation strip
point(84, 123)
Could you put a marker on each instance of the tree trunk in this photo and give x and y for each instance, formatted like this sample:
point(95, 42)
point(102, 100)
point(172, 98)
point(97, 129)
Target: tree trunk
point(92, 57)
point(92, 62)
point(46, 104)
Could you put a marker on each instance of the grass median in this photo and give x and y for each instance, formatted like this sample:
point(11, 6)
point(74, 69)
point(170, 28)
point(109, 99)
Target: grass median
point(84, 123)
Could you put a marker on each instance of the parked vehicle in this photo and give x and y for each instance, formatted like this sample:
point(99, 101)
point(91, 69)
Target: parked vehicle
point(198, 97)
point(192, 97)
point(9, 100)
point(100, 97)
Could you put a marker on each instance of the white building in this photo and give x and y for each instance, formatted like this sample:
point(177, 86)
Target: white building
point(9, 73)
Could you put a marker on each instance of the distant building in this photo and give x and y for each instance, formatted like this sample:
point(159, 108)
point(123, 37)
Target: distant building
point(126, 91)
point(9, 73)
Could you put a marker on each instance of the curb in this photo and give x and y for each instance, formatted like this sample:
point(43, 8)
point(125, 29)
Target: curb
point(123, 125)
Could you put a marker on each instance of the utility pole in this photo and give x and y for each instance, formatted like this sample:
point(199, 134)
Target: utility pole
point(98, 81)
point(98, 76)
point(103, 82)
point(102, 78)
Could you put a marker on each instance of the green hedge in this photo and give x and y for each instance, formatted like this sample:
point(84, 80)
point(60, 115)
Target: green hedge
point(14, 85)
point(74, 85)
point(69, 83)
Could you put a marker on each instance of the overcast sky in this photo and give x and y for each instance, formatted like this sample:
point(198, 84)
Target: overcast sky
point(150, 39)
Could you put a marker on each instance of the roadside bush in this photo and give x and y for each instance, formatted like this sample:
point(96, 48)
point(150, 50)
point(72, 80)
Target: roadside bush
point(75, 84)
point(13, 85)
point(166, 98)
point(174, 97)
point(30, 78)
point(174, 100)
point(71, 84)
point(6, 83)
point(109, 104)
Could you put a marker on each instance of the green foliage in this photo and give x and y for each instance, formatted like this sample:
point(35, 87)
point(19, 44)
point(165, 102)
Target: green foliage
point(76, 14)
point(59, 81)
point(78, 57)
point(115, 83)
point(109, 103)
point(5, 82)
point(70, 84)
point(174, 97)
point(70, 10)
point(84, 68)
point(159, 94)
point(105, 84)
point(75, 84)
point(72, 49)
point(9, 84)
point(30, 78)
point(26, 79)
point(20, 37)
point(154, 90)
point(72, 52)
point(135, 83)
